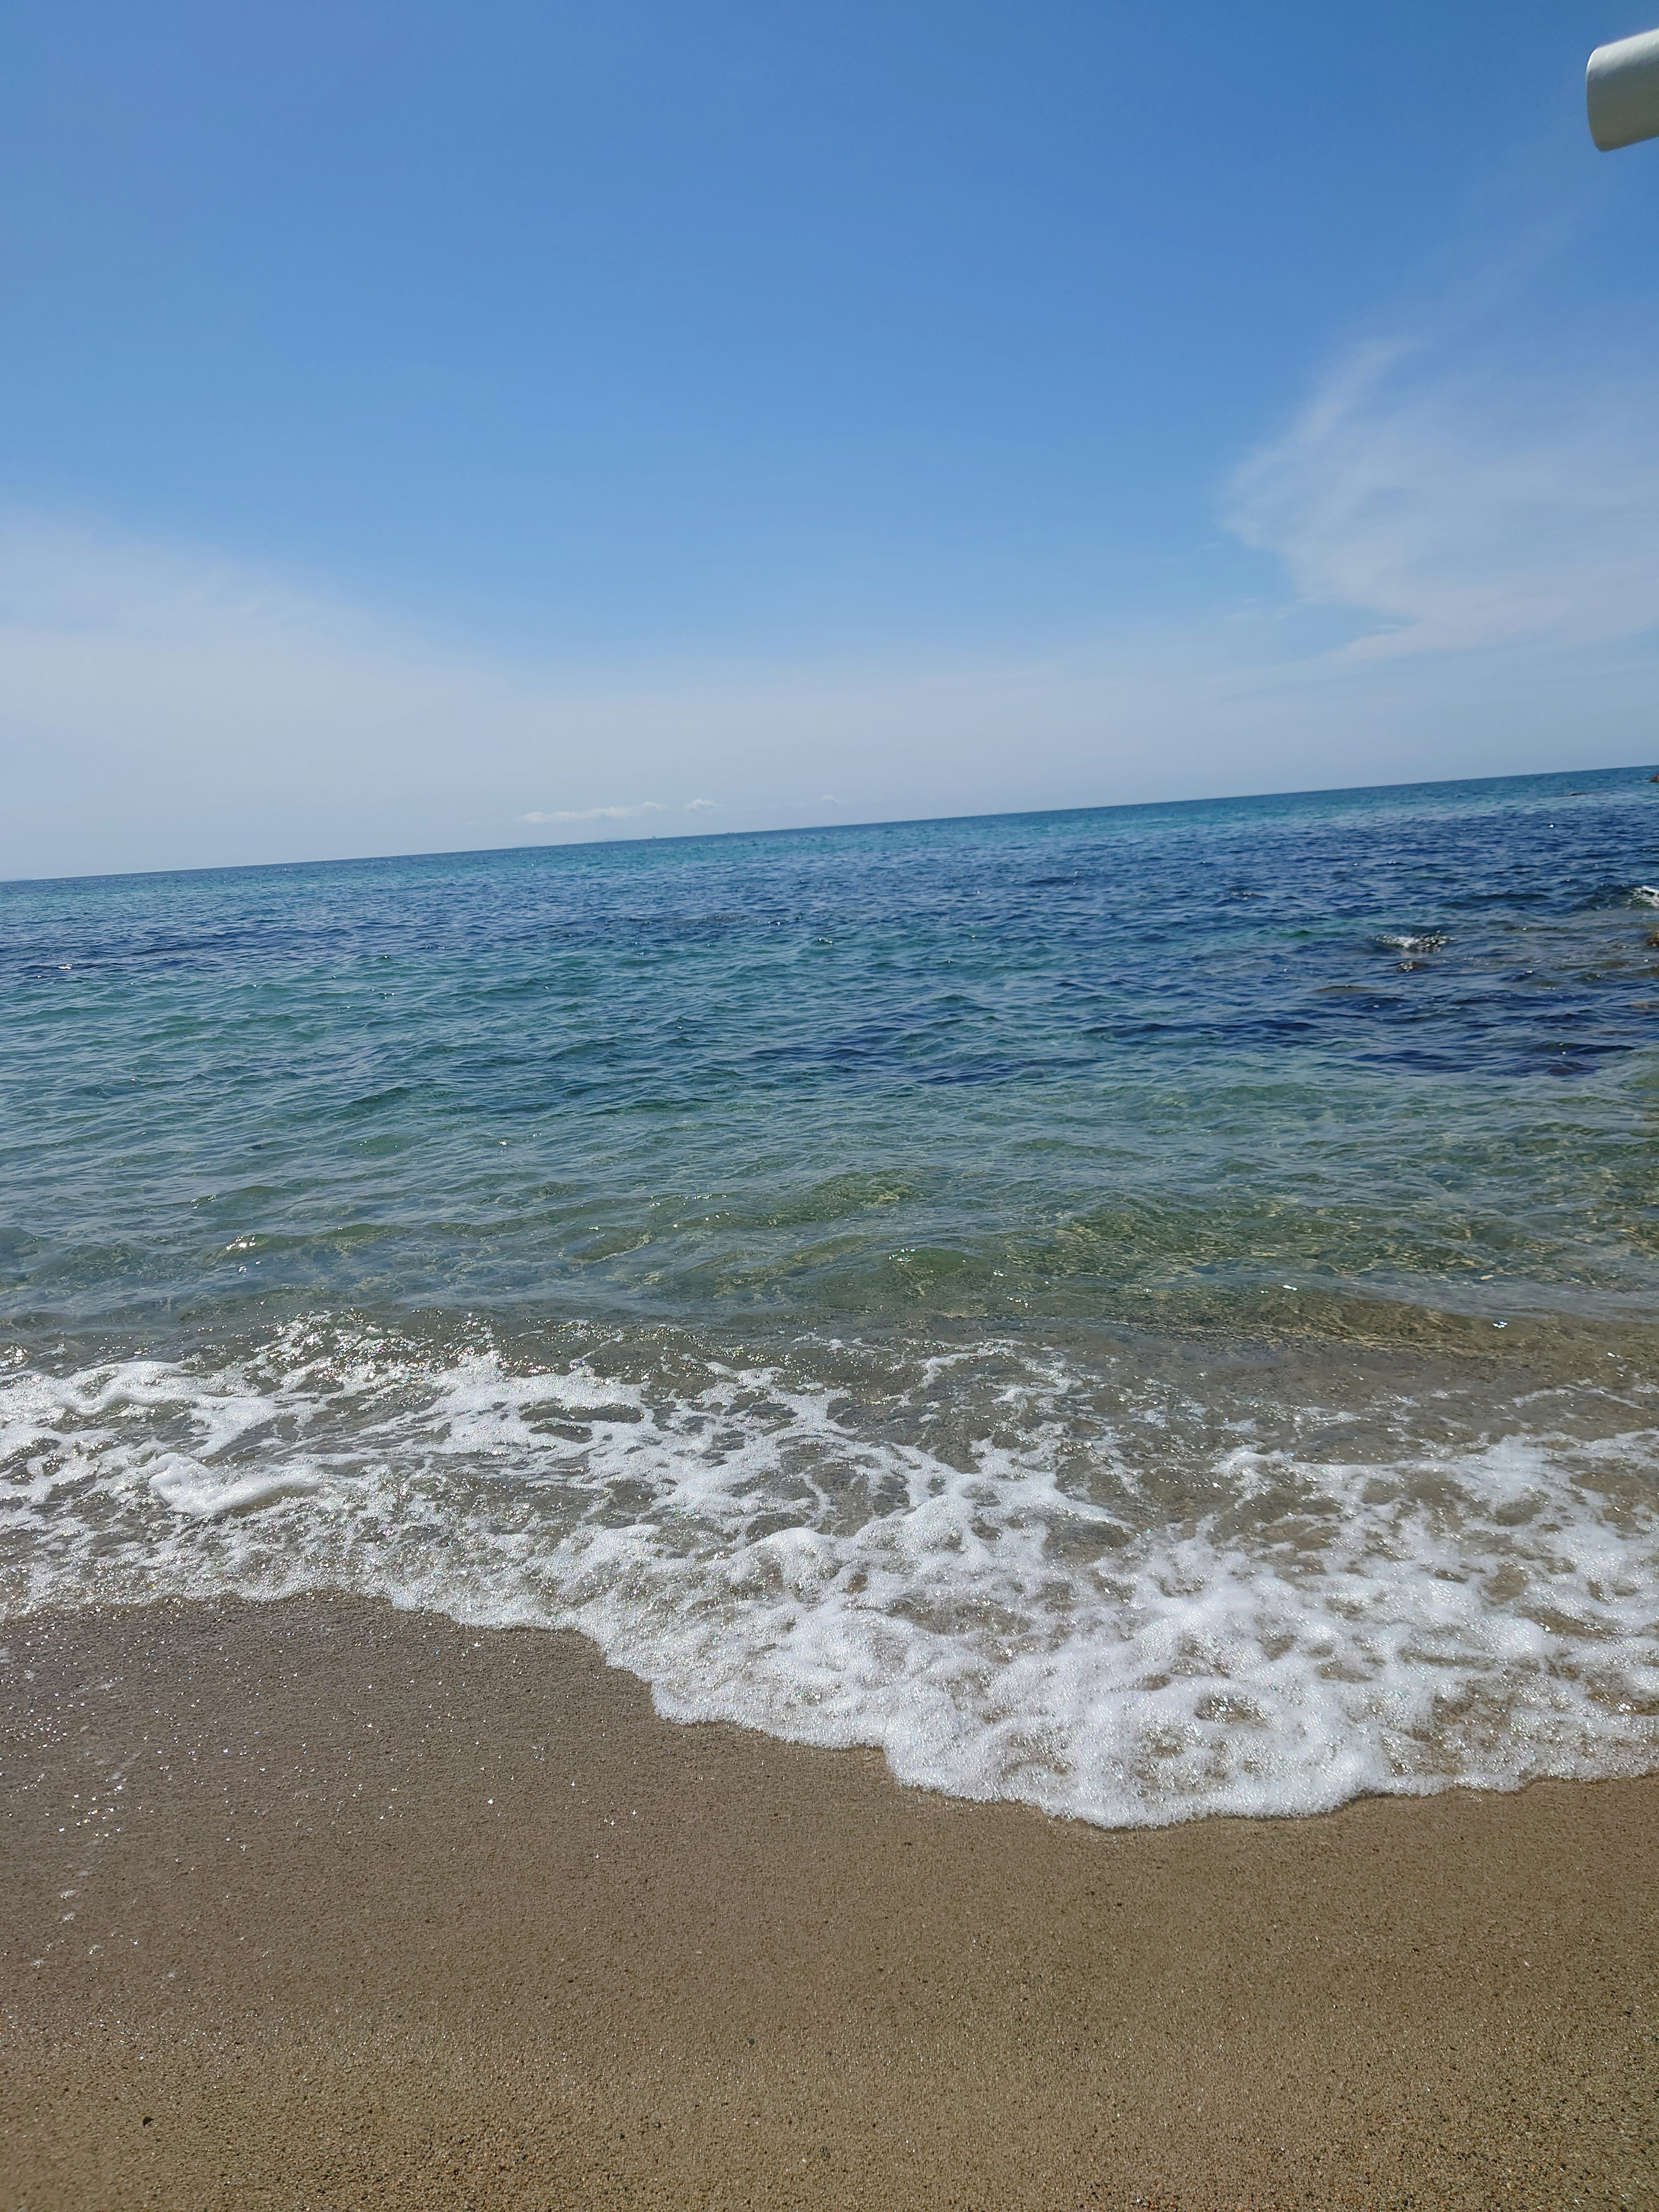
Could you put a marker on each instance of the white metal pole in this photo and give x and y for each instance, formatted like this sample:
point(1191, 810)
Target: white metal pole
point(1621, 91)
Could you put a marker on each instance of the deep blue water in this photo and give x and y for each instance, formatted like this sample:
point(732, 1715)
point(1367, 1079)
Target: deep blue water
point(1388, 1038)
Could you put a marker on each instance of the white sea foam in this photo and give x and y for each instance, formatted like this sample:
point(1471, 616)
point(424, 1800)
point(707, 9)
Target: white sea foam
point(1132, 1619)
point(191, 1488)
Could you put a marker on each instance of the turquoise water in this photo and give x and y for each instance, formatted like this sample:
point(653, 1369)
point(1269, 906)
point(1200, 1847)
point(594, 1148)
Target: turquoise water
point(1144, 1310)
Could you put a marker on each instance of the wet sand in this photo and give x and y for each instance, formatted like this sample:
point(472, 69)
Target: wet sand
point(318, 1903)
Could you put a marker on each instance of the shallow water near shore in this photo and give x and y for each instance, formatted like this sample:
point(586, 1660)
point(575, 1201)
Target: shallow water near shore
point(1146, 1311)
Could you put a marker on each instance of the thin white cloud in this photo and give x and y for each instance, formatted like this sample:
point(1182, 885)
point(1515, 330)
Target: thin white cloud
point(699, 806)
point(1459, 497)
point(602, 813)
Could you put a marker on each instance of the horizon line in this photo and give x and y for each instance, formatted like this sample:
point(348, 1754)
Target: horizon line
point(817, 829)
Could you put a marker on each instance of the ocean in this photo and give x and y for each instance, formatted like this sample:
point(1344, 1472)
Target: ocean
point(1146, 1311)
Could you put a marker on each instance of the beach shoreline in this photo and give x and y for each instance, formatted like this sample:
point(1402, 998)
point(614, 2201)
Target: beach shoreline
point(319, 1902)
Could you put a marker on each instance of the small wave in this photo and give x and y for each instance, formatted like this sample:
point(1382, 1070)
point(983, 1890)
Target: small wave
point(1428, 940)
point(1643, 895)
point(1130, 1617)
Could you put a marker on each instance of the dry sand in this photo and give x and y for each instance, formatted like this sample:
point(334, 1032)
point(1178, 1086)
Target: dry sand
point(318, 1903)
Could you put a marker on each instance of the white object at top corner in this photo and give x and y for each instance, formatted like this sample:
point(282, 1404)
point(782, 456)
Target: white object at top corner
point(1621, 91)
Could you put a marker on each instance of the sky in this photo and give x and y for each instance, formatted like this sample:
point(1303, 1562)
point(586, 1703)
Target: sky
point(427, 427)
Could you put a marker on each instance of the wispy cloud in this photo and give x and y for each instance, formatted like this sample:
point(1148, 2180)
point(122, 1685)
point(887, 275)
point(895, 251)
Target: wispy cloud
point(601, 814)
point(1463, 497)
point(616, 813)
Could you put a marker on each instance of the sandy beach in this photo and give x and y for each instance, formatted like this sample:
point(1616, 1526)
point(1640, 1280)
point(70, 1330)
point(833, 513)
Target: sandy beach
point(321, 1903)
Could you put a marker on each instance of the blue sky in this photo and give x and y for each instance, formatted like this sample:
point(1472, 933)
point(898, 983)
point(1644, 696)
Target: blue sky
point(425, 426)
